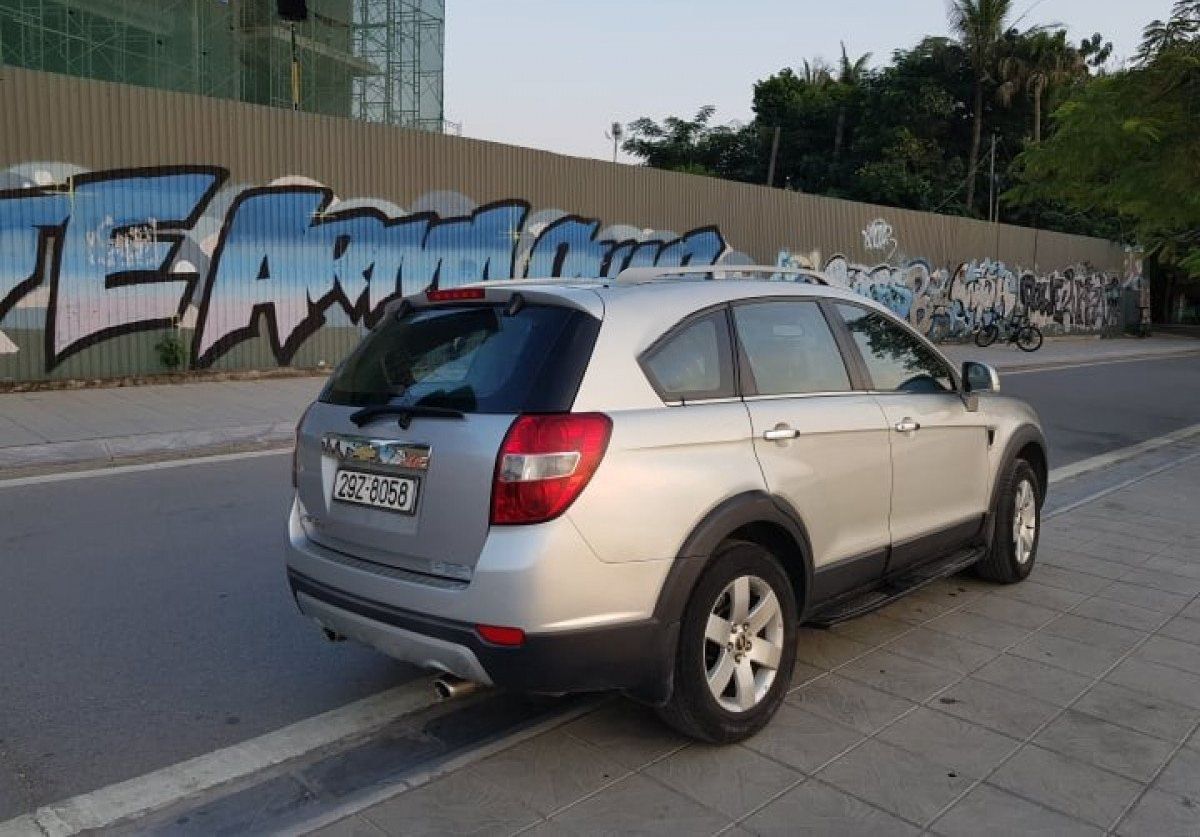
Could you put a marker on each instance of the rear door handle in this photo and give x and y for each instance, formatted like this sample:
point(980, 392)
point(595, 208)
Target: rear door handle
point(907, 425)
point(780, 432)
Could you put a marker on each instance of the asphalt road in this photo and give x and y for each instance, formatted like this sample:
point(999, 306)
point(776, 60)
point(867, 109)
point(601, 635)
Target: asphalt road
point(144, 617)
point(1089, 410)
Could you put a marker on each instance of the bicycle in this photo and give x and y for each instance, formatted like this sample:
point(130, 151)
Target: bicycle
point(1016, 329)
point(943, 328)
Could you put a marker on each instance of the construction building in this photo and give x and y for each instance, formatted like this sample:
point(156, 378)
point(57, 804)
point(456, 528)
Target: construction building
point(375, 60)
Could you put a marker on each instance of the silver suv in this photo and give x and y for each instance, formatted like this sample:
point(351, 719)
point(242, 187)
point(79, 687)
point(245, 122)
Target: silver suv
point(647, 483)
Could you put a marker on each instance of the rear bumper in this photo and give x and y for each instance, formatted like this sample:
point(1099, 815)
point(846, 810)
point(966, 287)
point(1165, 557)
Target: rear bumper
point(635, 657)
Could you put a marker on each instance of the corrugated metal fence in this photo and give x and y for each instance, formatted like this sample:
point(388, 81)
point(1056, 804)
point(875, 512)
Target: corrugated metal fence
point(137, 224)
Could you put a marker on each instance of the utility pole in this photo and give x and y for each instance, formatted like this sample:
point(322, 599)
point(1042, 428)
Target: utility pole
point(615, 133)
point(295, 72)
point(993, 209)
point(774, 154)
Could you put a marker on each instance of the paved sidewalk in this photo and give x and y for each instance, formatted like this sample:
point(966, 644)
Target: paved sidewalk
point(1068, 704)
point(40, 430)
point(61, 427)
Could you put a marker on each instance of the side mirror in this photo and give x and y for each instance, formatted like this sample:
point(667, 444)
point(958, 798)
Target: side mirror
point(979, 377)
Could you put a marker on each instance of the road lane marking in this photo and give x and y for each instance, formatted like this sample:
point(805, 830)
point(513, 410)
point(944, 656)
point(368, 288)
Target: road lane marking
point(1053, 366)
point(1103, 460)
point(102, 471)
point(162, 788)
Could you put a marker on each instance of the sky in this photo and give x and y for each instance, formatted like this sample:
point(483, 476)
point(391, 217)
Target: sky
point(554, 74)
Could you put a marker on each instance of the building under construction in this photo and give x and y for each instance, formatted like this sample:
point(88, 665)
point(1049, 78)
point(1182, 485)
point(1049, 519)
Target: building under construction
point(376, 60)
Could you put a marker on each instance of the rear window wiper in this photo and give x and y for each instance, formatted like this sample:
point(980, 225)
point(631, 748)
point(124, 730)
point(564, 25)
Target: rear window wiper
point(404, 413)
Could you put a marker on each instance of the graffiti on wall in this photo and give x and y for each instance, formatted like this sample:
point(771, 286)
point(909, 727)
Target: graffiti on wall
point(87, 257)
point(878, 235)
point(955, 301)
point(99, 254)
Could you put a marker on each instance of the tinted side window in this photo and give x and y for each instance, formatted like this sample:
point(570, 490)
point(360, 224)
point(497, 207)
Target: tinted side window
point(694, 362)
point(895, 358)
point(790, 348)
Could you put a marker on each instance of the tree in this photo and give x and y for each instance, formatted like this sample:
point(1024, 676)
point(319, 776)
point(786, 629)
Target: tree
point(850, 75)
point(815, 73)
point(805, 107)
point(910, 145)
point(980, 26)
point(695, 146)
point(1039, 62)
point(900, 134)
point(1128, 144)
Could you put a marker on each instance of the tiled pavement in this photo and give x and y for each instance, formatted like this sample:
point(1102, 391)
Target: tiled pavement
point(1068, 704)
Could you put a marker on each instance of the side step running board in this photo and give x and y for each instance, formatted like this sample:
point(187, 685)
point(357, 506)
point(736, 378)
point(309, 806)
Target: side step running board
point(897, 588)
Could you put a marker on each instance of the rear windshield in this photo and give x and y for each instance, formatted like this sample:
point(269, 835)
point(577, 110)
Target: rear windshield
point(475, 358)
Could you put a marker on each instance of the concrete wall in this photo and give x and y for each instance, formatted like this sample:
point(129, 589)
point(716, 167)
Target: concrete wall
point(260, 237)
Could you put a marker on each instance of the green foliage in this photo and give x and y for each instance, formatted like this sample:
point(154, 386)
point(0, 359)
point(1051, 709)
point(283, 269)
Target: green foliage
point(1128, 145)
point(171, 351)
point(1078, 148)
point(694, 146)
point(900, 134)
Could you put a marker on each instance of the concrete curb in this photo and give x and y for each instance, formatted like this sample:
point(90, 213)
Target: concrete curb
point(108, 451)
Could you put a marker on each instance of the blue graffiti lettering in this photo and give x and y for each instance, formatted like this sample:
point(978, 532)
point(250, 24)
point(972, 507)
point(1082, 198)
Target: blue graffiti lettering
point(282, 253)
point(117, 234)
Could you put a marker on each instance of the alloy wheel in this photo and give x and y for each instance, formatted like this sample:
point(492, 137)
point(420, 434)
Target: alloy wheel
point(1024, 522)
point(743, 643)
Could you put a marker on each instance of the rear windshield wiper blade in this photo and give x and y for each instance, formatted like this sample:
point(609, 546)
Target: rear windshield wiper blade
point(404, 412)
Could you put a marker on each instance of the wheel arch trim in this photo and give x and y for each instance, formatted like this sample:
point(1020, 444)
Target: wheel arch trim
point(1022, 437)
point(727, 517)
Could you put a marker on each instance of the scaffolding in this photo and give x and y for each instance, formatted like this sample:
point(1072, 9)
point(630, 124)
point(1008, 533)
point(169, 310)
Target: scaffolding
point(403, 41)
point(375, 60)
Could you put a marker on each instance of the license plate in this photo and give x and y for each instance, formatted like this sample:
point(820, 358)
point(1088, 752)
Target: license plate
point(398, 494)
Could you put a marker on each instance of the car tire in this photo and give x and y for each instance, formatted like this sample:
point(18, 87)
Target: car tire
point(740, 575)
point(1018, 528)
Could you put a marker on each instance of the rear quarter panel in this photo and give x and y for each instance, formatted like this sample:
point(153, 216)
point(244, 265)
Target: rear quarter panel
point(665, 468)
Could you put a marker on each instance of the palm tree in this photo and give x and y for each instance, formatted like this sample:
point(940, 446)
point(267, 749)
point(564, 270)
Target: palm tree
point(980, 26)
point(816, 73)
point(850, 76)
point(1040, 61)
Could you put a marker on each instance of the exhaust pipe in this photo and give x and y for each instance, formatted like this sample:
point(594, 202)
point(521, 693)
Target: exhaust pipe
point(449, 686)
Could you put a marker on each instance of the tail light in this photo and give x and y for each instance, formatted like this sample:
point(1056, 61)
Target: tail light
point(544, 464)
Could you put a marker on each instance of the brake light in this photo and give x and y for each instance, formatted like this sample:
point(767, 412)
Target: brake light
point(497, 635)
point(454, 294)
point(544, 464)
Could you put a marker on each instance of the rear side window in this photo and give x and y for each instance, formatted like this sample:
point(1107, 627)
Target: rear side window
point(473, 358)
point(694, 361)
point(789, 348)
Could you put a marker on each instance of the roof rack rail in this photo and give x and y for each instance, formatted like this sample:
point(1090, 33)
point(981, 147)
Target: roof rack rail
point(633, 275)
